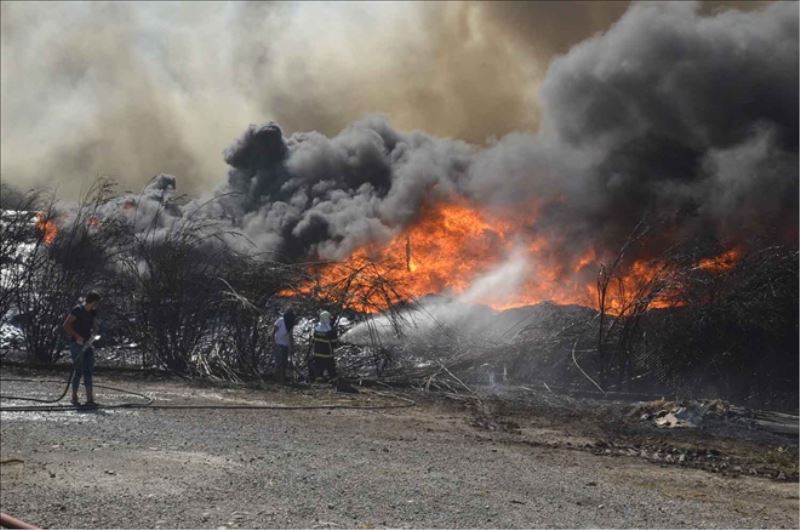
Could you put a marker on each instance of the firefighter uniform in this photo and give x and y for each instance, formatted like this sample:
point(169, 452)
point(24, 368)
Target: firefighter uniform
point(325, 340)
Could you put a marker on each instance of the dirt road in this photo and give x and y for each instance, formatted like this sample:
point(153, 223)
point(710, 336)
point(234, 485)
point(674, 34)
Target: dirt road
point(431, 465)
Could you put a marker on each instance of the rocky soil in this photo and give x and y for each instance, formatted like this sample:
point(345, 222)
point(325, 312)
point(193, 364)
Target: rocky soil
point(516, 460)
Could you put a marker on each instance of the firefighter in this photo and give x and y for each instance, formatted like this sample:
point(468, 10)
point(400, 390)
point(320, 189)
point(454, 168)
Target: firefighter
point(325, 339)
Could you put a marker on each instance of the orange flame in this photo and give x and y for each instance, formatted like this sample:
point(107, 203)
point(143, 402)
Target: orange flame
point(449, 248)
point(650, 282)
point(724, 262)
point(46, 228)
point(454, 246)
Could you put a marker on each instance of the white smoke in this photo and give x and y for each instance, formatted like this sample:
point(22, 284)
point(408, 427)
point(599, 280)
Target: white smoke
point(467, 312)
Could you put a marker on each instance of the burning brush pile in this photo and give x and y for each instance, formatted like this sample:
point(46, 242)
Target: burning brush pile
point(646, 234)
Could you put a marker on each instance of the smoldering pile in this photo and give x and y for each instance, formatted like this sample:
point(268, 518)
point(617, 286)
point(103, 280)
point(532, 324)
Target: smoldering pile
point(669, 114)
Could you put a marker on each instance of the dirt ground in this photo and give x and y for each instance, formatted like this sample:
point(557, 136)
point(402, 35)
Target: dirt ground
point(445, 462)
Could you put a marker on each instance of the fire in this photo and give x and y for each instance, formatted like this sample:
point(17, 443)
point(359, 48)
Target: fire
point(652, 281)
point(46, 228)
point(452, 246)
point(588, 258)
point(724, 262)
point(460, 251)
point(446, 249)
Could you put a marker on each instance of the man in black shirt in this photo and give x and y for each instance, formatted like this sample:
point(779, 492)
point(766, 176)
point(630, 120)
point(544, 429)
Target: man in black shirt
point(78, 325)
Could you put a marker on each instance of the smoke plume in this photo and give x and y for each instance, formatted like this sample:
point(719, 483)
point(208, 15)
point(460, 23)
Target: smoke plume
point(670, 113)
point(667, 112)
point(130, 90)
point(681, 110)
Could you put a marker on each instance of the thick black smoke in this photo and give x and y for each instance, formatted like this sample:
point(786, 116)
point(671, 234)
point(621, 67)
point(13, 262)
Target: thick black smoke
point(313, 195)
point(672, 112)
point(668, 114)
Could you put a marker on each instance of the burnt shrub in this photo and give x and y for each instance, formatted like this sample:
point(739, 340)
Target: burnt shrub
point(736, 334)
point(170, 272)
point(69, 254)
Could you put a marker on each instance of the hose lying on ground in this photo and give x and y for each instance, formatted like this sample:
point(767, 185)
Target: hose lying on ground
point(149, 402)
point(76, 365)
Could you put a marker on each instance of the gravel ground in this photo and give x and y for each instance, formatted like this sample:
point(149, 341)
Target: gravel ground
point(431, 465)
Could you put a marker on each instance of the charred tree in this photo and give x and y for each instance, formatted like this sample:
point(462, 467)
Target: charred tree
point(66, 260)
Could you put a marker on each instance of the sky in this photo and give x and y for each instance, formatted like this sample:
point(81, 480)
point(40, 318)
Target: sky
point(133, 89)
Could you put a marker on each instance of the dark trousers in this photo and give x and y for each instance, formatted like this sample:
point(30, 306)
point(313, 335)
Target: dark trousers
point(322, 364)
point(85, 368)
point(281, 360)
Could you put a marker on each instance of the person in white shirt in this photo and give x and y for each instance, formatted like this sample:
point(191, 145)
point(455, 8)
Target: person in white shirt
point(284, 343)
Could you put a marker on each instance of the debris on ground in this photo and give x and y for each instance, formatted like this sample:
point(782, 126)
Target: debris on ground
point(705, 413)
point(675, 414)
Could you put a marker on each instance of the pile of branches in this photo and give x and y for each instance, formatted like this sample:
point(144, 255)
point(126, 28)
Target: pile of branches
point(193, 297)
point(165, 280)
point(197, 300)
point(42, 273)
point(728, 333)
point(735, 333)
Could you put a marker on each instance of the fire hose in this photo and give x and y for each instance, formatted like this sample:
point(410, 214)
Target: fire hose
point(149, 403)
point(76, 366)
point(6, 521)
